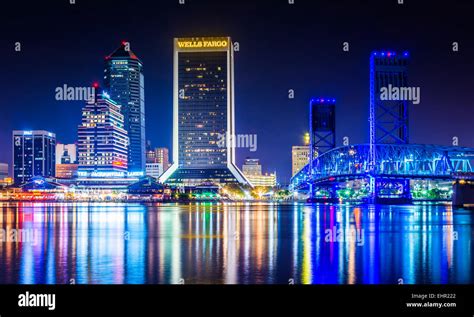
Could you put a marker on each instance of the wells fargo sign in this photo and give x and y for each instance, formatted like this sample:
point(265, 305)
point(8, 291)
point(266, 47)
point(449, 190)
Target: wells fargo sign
point(202, 43)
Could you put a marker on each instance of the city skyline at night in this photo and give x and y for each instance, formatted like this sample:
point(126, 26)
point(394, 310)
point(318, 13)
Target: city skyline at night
point(264, 81)
point(320, 149)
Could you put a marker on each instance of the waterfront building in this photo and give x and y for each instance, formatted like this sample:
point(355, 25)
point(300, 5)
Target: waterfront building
point(203, 113)
point(66, 171)
point(124, 81)
point(264, 180)
point(33, 155)
point(102, 139)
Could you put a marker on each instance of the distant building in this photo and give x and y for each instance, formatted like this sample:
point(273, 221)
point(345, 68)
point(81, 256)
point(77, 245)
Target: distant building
point(252, 167)
point(154, 169)
point(5, 179)
point(204, 114)
point(162, 157)
point(102, 139)
point(158, 155)
point(124, 81)
point(253, 173)
point(3, 171)
point(34, 154)
point(267, 180)
point(299, 158)
point(66, 153)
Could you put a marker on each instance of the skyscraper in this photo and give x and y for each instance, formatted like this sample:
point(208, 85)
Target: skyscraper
point(124, 82)
point(102, 139)
point(203, 112)
point(33, 155)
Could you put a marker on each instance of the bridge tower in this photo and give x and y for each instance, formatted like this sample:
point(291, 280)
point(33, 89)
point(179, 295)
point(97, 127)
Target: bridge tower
point(388, 117)
point(322, 129)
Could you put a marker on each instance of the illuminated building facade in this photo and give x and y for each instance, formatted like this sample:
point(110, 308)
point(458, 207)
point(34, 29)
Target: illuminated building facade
point(252, 167)
point(252, 170)
point(203, 113)
point(267, 180)
point(299, 158)
point(102, 139)
point(158, 155)
point(34, 154)
point(5, 179)
point(66, 171)
point(124, 81)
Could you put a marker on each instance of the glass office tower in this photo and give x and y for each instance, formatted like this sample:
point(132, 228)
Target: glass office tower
point(34, 154)
point(124, 82)
point(203, 110)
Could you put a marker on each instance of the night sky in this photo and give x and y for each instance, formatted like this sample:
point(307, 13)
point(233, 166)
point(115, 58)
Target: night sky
point(282, 47)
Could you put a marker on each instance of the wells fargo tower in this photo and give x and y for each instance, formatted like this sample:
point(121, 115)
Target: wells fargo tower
point(203, 113)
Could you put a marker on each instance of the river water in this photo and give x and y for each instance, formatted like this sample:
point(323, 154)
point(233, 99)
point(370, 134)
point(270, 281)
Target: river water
point(240, 243)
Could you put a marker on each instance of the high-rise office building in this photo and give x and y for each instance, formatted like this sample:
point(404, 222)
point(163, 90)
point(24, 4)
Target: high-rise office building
point(34, 154)
point(299, 158)
point(124, 82)
point(203, 112)
point(388, 118)
point(102, 139)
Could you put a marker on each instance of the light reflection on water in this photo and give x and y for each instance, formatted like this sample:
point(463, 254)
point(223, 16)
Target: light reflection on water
point(112, 243)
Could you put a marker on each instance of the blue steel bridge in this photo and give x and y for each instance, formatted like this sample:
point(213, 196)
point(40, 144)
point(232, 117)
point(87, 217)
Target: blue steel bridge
point(393, 167)
point(388, 164)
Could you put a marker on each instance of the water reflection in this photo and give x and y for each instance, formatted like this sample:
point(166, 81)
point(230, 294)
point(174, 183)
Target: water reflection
point(246, 243)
